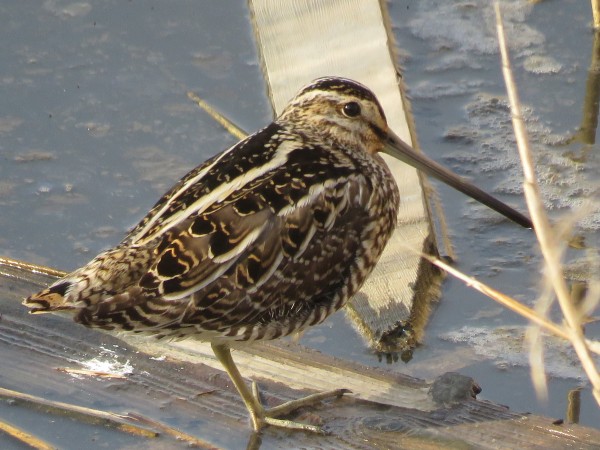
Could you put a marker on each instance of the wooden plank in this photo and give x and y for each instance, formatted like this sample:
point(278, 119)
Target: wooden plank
point(301, 41)
point(178, 385)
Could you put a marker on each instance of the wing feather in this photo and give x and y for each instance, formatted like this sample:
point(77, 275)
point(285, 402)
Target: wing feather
point(230, 265)
point(260, 244)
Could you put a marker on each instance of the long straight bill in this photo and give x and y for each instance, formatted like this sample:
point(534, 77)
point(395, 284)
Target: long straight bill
point(399, 149)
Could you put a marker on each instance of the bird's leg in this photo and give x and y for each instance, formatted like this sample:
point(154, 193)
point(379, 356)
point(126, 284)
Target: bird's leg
point(258, 414)
point(292, 405)
point(256, 410)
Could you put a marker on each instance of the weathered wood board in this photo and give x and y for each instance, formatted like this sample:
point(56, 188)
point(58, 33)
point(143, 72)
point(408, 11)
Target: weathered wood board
point(301, 41)
point(184, 387)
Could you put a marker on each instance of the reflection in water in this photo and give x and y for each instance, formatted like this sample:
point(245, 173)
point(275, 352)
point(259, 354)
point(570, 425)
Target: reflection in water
point(589, 121)
point(573, 405)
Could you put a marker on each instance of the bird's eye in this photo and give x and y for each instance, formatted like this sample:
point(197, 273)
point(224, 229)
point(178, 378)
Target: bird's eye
point(351, 109)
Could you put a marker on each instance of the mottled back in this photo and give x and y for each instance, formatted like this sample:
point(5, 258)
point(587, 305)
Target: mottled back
point(266, 238)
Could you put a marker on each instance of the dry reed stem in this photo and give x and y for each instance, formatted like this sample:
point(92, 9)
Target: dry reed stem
point(596, 13)
point(591, 298)
point(119, 421)
point(29, 267)
point(533, 335)
point(173, 432)
point(508, 302)
point(233, 129)
point(534, 338)
point(544, 232)
point(91, 373)
point(89, 415)
point(24, 437)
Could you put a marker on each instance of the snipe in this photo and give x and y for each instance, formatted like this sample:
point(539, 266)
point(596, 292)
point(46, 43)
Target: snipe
point(267, 238)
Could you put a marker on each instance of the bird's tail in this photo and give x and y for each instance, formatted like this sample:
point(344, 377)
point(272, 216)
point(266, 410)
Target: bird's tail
point(51, 299)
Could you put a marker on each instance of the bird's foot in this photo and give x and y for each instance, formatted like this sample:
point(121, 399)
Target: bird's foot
point(270, 416)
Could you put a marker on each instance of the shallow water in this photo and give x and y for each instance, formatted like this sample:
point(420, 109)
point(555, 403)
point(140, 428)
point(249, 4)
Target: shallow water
point(455, 84)
point(451, 68)
point(95, 125)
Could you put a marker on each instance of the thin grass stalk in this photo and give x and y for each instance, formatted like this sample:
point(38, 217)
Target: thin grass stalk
point(192, 441)
point(498, 296)
point(232, 128)
point(508, 302)
point(24, 437)
point(544, 232)
point(590, 300)
point(596, 13)
point(88, 415)
point(535, 341)
point(534, 338)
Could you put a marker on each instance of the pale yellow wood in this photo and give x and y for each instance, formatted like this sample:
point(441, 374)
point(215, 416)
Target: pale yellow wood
point(303, 40)
point(299, 370)
point(165, 388)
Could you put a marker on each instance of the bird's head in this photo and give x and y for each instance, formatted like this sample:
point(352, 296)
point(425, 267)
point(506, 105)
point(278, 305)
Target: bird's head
point(339, 110)
point(347, 113)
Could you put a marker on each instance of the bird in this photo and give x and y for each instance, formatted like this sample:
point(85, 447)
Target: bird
point(265, 239)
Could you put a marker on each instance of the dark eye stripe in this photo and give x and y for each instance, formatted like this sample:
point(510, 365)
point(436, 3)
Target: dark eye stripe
point(378, 131)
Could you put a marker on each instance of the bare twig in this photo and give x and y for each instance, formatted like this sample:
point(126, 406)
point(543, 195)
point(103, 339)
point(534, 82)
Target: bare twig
point(596, 13)
point(122, 422)
point(544, 231)
point(589, 120)
point(82, 413)
point(573, 405)
point(92, 373)
point(233, 129)
point(24, 437)
point(507, 301)
point(29, 267)
point(535, 339)
point(543, 305)
point(177, 434)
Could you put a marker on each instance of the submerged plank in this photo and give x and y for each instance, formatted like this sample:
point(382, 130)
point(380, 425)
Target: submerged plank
point(182, 386)
point(301, 41)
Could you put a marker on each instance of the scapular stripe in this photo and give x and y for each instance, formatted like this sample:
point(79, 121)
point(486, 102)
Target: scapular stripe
point(221, 192)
